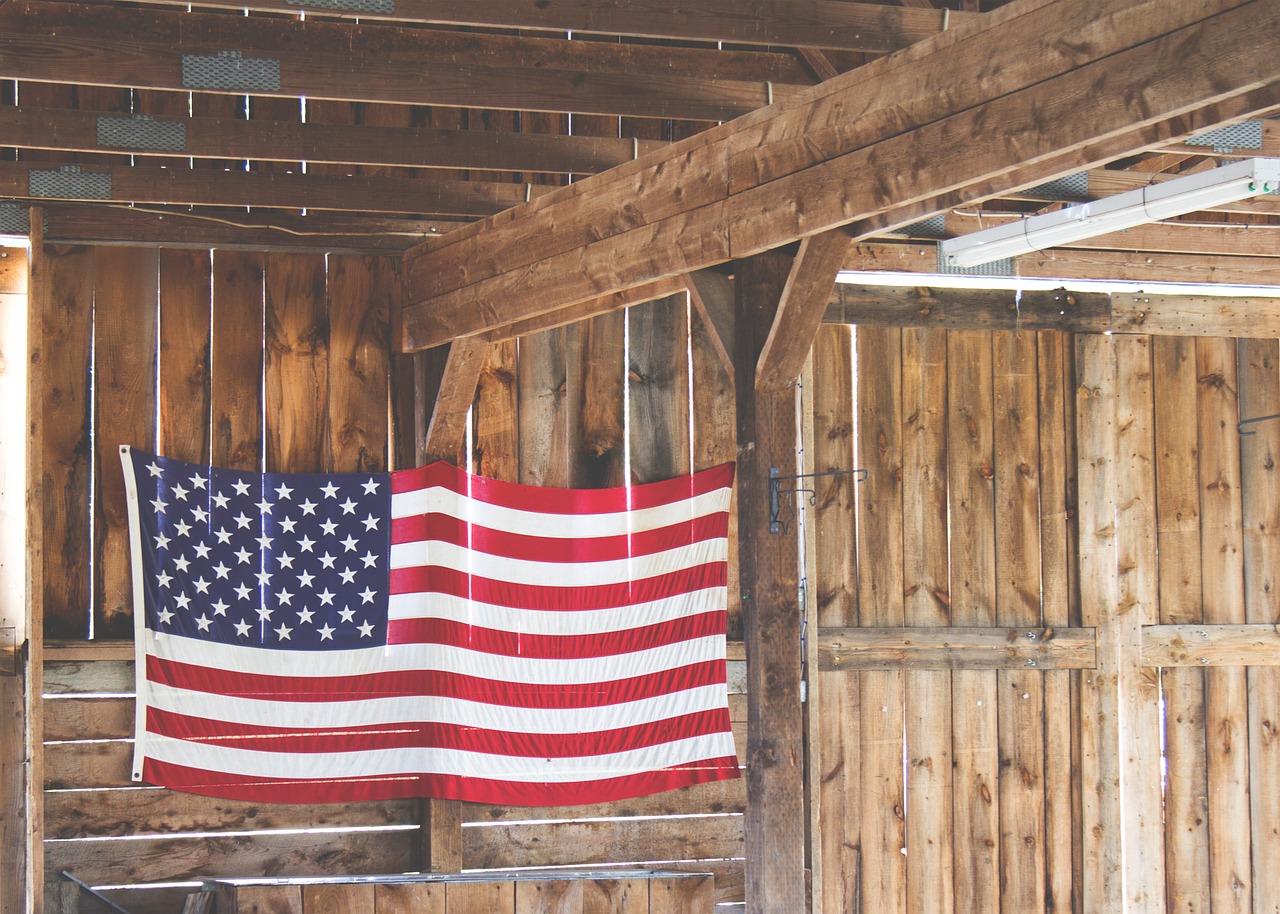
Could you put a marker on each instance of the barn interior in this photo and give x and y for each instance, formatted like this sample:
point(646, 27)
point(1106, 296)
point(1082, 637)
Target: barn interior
point(1026, 661)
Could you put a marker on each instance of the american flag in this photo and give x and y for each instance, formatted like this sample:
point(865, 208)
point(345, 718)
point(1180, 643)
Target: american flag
point(325, 638)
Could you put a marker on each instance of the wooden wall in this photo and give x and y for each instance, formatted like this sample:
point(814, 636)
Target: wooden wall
point(1032, 481)
point(282, 361)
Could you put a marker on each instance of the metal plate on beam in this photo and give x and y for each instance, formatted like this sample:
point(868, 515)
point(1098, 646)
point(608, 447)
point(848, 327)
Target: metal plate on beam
point(69, 183)
point(1246, 135)
point(15, 219)
point(1068, 187)
point(230, 70)
point(1001, 267)
point(142, 132)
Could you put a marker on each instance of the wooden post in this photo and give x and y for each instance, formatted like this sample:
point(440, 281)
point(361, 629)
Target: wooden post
point(769, 577)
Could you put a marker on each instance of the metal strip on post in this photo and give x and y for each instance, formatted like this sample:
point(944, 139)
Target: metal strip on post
point(142, 132)
point(230, 70)
point(69, 183)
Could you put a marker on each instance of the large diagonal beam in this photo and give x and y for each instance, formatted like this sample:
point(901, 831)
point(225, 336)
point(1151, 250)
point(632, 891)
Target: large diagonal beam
point(974, 112)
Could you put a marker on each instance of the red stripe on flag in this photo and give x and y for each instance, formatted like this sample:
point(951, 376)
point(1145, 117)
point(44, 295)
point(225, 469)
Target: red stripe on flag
point(450, 787)
point(436, 735)
point(439, 683)
point(555, 647)
point(458, 532)
point(438, 579)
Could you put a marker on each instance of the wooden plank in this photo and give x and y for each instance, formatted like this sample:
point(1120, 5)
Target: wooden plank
point(497, 443)
point(727, 796)
point(956, 648)
point(971, 474)
point(601, 447)
point(318, 59)
point(296, 349)
point(714, 424)
point(927, 584)
point(607, 304)
point(658, 387)
point(552, 896)
point(615, 896)
point(809, 23)
point(66, 463)
point(235, 380)
point(769, 578)
point(1259, 394)
point(711, 294)
point(125, 305)
point(411, 898)
point(835, 750)
point(338, 899)
point(550, 397)
point(1178, 515)
point(363, 292)
point(752, 217)
point(968, 309)
point(133, 810)
point(592, 842)
point(183, 395)
point(804, 299)
point(1020, 693)
point(259, 899)
point(1103, 849)
point(421, 196)
point(89, 718)
point(325, 142)
point(1202, 644)
point(480, 897)
point(1197, 315)
point(39, 290)
point(447, 430)
point(681, 895)
point(1135, 524)
point(880, 602)
point(1222, 564)
point(165, 859)
point(1057, 518)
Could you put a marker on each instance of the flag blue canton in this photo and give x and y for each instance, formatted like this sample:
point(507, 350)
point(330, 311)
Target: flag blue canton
point(281, 561)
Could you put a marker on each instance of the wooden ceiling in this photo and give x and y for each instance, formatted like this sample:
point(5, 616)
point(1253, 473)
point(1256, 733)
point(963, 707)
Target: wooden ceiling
point(376, 125)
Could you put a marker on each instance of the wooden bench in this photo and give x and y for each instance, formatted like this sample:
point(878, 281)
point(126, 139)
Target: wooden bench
point(631, 891)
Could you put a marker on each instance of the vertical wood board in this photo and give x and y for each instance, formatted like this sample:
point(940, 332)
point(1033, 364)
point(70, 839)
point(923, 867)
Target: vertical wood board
point(183, 397)
point(362, 294)
point(296, 371)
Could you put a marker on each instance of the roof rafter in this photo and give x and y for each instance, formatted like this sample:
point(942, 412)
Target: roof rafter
point(866, 143)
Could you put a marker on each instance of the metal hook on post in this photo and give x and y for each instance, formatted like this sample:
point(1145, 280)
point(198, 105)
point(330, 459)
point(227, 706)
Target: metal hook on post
point(776, 491)
point(1243, 422)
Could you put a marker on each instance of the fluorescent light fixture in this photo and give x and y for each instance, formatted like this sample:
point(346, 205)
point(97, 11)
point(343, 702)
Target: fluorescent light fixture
point(1225, 184)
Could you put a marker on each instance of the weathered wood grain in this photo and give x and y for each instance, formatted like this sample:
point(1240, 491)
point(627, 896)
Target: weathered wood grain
point(362, 293)
point(600, 460)
point(236, 369)
point(955, 648)
point(1259, 394)
point(183, 395)
point(927, 605)
point(967, 309)
point(66, 464)
point(479, 897)
point(615, 896)
point(880, 589)
point(658, 376)
point(675, 895)
point(1222, 564)
point(550, 398)
point(497, 417)
point(727, 796)
point(971, 475)
point(125, 304)
point(1020, 693)
point(1178, 516)
point(296, 352)
point(338, 899)
point(419, 898)
point(836, 749)
point(553, 896)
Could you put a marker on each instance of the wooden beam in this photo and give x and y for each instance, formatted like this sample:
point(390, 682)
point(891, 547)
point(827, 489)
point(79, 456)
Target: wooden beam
point(1075, 263)
point(968, 309)
point(204, 187)
point(447, 430)
point(28, 127)
point(1197, 315)
point(769, 579)
point(39, 290)
point(235, 229)
point(571, 245)
point(1256, 644)
point(809, 287)
point(955, 648)
point(603, 305)
point(379, 63)
point(711, 293)
point(827, 24)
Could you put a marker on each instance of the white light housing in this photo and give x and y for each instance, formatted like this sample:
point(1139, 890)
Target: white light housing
point(1225, 184)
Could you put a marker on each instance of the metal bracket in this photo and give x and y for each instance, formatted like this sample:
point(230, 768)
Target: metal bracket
point(776, 491)
point(95, 894)
point(1243, 422)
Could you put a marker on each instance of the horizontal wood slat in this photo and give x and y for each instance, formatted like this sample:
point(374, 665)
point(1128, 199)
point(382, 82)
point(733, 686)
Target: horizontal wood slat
point(1211, 645)
point(957, 648)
